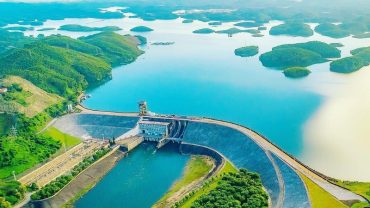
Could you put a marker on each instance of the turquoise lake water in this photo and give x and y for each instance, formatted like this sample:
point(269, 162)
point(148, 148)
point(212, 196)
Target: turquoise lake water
point(200, 76)
point(138, 180)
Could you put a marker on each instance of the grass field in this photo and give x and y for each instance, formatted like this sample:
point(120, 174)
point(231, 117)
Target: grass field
point(32, 100)
point(196, 168)
point(319, 197)
point(206, 189)
point(360, 188)
point(65, 139)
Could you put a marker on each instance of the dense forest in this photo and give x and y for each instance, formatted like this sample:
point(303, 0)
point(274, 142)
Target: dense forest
point(241, 189)
point(293, 29)
point(66, 66)
point(59, 65)
point(246, 51)
point(300, 54)
point(360, 58)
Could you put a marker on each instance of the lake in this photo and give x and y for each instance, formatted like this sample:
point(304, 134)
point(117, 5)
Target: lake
point(199, 75)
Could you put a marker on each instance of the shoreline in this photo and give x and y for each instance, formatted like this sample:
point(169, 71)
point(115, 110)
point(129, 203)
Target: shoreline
point(322, 180)
point(86, 180)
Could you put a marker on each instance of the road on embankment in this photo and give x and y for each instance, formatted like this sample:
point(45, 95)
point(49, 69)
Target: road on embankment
point(320, 179)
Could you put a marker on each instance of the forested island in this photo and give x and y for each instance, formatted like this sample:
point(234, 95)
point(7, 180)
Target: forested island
point(203, 31)
point(292, 29)
point(357, 28)
point(300, 54)
point(214, 23)
point(246, 51)
point(186, 21)
point(234, 30)
point(248, 24)
point(332, 30)
point(296, 72)
point(360, 58)
point(81, 28)
point(141, 29)
point(19, 28)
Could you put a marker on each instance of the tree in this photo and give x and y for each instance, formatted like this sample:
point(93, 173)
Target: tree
point(4, 203)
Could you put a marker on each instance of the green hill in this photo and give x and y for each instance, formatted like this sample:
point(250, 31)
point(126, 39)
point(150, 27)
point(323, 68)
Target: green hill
point(299, 54)
point(141, 29)
point(64, 65)
point(9, 40)
point(246, 51)
point(360, 58)
point(347, 65)
point(332, 30)
point(296, 72)
point(324, 49)
point(55, 69)
point(289, 57)
point(292, 29)
point(70, 43)
point(203, 31)
point(115, 48)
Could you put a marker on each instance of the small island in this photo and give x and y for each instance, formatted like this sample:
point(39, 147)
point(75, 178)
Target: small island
point(248, 24)
point(141, 29)
point(292, 29)
point(19, 28)
point(186, 21)
point(234, 30)
point(246, 51)
point(46, 29)
point(215, 23)
point(203, 31)
point(331, 30)
point(81, 28)
point(296, 72)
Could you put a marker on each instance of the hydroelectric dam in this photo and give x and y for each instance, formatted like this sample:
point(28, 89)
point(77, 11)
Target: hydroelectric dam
point(245, 148)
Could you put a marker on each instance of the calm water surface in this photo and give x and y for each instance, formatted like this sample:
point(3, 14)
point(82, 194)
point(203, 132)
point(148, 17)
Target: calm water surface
point(138, 180)
point(200, 75)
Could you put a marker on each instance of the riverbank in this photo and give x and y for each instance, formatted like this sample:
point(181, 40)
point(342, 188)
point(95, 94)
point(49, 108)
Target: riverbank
point(337, 137)
point(195, 172)
point(82, 183)
point(265, 144)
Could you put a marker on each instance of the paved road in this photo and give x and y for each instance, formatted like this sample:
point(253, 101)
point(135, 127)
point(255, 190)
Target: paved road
point(280, 201)
point(339, 192)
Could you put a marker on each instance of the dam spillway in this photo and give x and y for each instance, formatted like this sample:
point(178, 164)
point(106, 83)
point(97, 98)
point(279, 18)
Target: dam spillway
point(237, 147)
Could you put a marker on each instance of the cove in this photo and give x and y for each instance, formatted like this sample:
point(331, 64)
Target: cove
point(138, 180)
